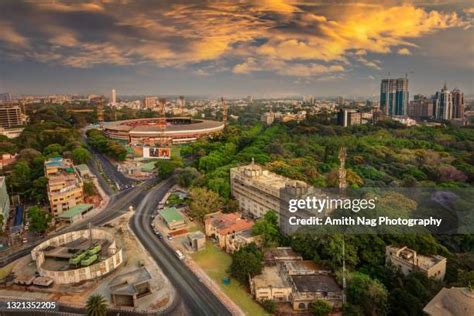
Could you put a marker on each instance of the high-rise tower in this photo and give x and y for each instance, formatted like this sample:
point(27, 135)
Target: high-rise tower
point(443, 104)
point(458, 103)
point(394, 96)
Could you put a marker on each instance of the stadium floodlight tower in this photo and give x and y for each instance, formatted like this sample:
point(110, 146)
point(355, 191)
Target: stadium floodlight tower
point(163, 142)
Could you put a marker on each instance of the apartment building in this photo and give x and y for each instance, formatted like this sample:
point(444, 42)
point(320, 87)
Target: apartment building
point(407, 260)
point(10, 116)
point(65, 186)
point(258, 190)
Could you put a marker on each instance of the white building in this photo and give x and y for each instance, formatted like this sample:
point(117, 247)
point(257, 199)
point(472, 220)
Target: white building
point(408, 261)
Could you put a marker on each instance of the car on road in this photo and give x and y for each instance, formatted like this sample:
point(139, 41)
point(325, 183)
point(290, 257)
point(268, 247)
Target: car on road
point(180, 255)
point(169, 237)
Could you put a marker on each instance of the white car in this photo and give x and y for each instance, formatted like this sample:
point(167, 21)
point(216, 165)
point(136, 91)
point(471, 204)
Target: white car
point(180, 255)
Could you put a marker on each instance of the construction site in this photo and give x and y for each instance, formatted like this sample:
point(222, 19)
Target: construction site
point(104, 260)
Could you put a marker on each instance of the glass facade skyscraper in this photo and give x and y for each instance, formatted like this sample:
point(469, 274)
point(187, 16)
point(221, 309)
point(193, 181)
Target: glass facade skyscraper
point(394, 96)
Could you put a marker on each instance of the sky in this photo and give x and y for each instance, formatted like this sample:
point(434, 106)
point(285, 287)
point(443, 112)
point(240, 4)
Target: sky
point(262, 48)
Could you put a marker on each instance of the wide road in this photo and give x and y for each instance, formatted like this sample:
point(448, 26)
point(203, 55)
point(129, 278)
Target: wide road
point(118, 205)
point(196, 297)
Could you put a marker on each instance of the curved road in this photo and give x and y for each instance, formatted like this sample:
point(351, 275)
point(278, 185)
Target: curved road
point(197, 298)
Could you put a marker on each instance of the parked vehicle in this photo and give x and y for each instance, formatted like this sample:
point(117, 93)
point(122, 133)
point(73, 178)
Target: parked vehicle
point(180, 255)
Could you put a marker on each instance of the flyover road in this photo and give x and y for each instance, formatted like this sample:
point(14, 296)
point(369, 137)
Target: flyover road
point(118, 205)
point(196, 298)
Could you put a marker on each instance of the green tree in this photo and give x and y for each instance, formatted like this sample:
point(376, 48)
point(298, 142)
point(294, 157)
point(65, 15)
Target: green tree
point(186, 176)
point(96, 305)
point(53, 149)
point(80, 155)
point(89, 188)
point(38, 190)
point(320, 308)
point(269, 306)
point(21, 178)
point(166, 167)
point(39, 219)
point(267, 228)
point(369, 294)
point(204, 201)
point(247, 261)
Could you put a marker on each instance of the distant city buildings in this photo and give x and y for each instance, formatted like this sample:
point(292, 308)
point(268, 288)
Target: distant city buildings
point(65, 186)
point(269, 117)
point(394, 96)
point(5, 97)
point(458, 104)
point(443, 104)
point(150, 102)
point(421, 107)
point(4, 202)
point(405, 120)
point(349, 117)
point(408, 261)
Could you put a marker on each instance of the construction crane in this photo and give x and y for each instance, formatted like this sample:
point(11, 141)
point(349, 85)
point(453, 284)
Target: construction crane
point(163, 142)
point(224, 111)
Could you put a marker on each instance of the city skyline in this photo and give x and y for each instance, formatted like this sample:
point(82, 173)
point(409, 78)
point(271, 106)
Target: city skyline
point(263, 49)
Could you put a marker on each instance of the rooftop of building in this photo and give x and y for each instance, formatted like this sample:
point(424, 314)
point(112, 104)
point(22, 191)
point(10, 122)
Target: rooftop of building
point(315, 283)
point(196, 235)
point(124, 284)
point(422, 261)
point(226, 223)
point(76, 210)
point(281, 253)
point(63, 164)
point(271, 276)
point(171, 214)
point(82, 168)
point(453, 301)
point(305, 267)
point(267, 178)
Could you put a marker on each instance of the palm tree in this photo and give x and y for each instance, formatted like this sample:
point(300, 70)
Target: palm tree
point(96, 305)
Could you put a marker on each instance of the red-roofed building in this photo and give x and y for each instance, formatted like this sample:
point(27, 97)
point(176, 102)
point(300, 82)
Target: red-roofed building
point(222, 226)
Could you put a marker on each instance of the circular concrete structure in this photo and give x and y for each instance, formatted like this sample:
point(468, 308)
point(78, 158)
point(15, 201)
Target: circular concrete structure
point(178, 129)
point(54, 256)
